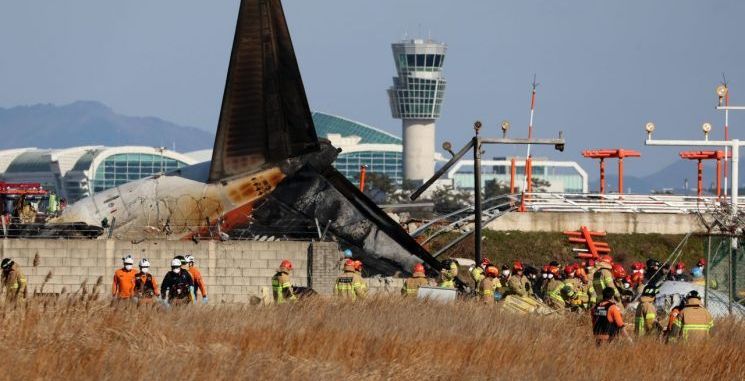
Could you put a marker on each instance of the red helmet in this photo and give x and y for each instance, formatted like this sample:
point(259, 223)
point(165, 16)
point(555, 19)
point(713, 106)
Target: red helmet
point(680, 266)
point(553, 270)
point(349, 262)
point(618, 271)
point(569, 269)
point(545, 268)
point(627, 279)
point(590, 263)
point(492, 271)
point(605, 258)
point(637, 266)
point(517, 266)
point(285, 264)
point(485, 262)
point(701, 262)
point(358, 265)
point(418, 268)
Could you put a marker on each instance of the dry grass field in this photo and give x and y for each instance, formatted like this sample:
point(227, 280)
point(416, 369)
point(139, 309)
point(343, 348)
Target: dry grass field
point(385, 338)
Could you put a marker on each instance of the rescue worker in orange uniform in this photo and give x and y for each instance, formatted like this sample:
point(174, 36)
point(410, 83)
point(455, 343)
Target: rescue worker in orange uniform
point(674, 312)
point(645, 319)
point(350, 285)
point(123, 286)
point(146, 288)
point(694, 322)
point(607, 322)
point(281, 284)
point(488, 284)
point(196, 276)
point(417, 279)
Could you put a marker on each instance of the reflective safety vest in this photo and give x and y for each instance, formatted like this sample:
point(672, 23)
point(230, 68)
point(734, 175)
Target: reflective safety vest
point(644, 313)
point(282, 288)
point(350, 285)
point(693, 320)
point(554, 292)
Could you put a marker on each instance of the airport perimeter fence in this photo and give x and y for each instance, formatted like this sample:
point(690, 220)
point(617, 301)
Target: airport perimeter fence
point(725, 268)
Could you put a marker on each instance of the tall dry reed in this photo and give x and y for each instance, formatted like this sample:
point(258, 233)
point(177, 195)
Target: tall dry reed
point(383, 338)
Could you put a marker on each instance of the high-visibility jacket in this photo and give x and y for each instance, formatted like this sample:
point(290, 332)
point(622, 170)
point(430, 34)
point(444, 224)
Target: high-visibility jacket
point(645, 316)
point(486, 290)
point(519, 285)
point(580, 291)
point(448, 276)
point(282, 288)
point(602, 278)
point(123, 286)
point(14, 283)
point(411, 285)
point(477, 273)
point(693, 322)
point(350, 286)
point(553, 289)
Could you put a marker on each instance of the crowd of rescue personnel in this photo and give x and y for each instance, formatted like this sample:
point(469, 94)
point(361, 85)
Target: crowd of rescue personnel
point(601, 287)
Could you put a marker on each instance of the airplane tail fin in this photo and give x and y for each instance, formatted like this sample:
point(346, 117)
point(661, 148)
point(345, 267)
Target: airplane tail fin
point(265, 116)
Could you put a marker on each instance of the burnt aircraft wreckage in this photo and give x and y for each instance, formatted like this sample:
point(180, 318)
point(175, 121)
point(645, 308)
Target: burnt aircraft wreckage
point(269, 170)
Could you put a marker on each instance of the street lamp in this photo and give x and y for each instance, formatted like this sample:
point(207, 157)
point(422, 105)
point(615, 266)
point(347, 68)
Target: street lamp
point(447, 146)
point(706, 127)
point(505, 126)
point(649, 127)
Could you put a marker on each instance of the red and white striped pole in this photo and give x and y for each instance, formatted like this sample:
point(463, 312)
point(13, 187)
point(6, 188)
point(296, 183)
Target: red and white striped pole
point(528, 184)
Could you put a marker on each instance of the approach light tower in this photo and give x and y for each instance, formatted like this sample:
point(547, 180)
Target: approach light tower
point(416, 99)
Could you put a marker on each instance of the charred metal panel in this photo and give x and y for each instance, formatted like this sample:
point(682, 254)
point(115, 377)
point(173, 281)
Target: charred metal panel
point(265, 115)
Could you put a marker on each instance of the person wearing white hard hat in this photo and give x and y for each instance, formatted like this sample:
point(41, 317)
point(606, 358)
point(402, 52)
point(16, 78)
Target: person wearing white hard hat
point(146, 288)
point(178, 286)
point(196, 276)
point(124, 280)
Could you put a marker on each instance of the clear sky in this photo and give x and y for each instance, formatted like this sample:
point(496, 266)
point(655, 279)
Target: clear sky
point(605, 68)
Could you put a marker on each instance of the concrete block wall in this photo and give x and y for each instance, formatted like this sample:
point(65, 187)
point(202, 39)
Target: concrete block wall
point(233, 270)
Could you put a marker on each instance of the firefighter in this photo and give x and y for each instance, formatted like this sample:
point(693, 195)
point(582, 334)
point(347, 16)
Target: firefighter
point(607, 322)
point(124, 280)
point(14, 282)
point(449, 273)
point(177, 287)
point(488, 285)
point(679, 273)
point(602, 278)
point(477, 272)
point(540, 288)
point(554, 288)
point(653, 274)
point(517, 283)
point(627, 292)
point(350, 285)
point(196, 276)
point(417, 279)
point(672, 317)
point(281, 284)
point(694, 322)
point(579, 297)
point(637, 277)
point(146, 288)
point(645, 319)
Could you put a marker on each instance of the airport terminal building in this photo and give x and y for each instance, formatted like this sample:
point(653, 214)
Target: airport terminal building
point(74, 173)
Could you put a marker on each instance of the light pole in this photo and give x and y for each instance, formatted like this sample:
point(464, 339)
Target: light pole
point(735, 145)
point(475, 143)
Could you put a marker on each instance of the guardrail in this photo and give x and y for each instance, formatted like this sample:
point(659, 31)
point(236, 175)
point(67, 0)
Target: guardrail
point(624, 203)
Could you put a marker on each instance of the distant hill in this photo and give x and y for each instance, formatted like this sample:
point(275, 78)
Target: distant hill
point(92, 123)
point(670, 177)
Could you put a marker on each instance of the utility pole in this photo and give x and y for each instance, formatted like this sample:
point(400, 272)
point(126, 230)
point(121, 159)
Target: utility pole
point(476, 143)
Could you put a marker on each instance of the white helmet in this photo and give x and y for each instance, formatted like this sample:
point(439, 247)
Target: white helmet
point(128, 260)
point(144, 262)
point(176, 262)
point(189, 258)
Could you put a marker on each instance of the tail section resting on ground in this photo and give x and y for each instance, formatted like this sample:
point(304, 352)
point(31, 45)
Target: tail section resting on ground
point(268, 167)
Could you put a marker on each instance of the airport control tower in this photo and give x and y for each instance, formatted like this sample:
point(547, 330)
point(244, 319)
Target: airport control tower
point(416, 99)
